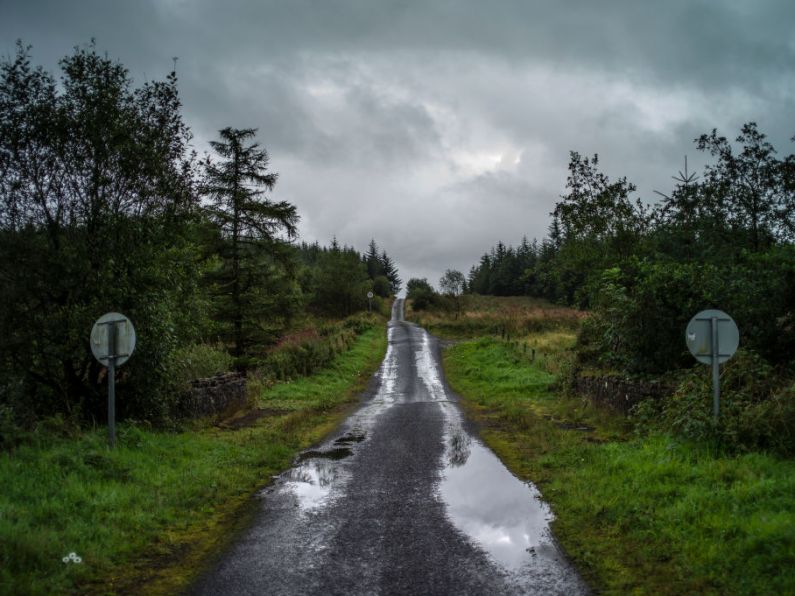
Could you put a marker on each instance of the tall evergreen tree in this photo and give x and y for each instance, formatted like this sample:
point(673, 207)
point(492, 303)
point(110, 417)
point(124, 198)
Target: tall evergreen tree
point(341, 282)
point(373, 261)
point(250, 225)
point(391, 272)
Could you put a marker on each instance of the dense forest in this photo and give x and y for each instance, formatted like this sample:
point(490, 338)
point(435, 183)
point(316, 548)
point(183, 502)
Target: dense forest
point(104, 206)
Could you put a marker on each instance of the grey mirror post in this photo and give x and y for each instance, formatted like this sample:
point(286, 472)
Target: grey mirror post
point(715, 370)
point(112, 384)
point(712, 337)
point(112, 346)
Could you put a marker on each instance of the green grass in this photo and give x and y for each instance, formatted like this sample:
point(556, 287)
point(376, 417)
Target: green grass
point(322, 390)
point(637, 515)
point(149, 512)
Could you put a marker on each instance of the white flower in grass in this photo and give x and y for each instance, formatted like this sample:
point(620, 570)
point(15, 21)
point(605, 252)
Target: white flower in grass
point(72, 558)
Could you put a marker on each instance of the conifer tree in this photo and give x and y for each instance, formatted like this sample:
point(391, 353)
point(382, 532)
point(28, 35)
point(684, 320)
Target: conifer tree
point(251, 227)
point(391, 272)
point(373, 261)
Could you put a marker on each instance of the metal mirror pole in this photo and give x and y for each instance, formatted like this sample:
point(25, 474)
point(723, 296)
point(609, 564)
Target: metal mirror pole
point(112, 348)
point(711, 345)
point(112, 384)
point(715, 370)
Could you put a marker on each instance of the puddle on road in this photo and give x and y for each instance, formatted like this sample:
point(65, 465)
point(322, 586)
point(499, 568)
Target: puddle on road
point(333, 453)
point(350, 438)
point(311, 482)
point(318, 472)
point(320, 476)
point(502, 514)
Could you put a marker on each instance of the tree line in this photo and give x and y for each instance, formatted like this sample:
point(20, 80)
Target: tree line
point(722, 239)
point(105, 206)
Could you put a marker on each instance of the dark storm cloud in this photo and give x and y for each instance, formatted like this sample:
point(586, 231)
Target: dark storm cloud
point(707, 42)
point(441, 127)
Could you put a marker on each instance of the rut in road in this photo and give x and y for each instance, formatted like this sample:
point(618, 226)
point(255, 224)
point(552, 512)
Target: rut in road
point(402, 499)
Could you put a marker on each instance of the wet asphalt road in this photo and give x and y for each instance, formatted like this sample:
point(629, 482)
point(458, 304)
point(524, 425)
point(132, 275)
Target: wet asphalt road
point(402, 499)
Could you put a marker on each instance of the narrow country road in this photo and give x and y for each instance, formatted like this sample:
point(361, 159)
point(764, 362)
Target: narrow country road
point(403, 499)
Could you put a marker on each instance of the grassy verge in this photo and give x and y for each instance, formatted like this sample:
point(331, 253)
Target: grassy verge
point(637, 515)
point(149, 512)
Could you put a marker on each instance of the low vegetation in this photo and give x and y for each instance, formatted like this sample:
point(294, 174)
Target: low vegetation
point(149, 511)
point(640, 507)
point(508, 317)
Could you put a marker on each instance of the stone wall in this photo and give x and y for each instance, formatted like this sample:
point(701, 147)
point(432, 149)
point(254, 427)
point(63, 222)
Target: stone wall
point(621, 393)
point(215, 395)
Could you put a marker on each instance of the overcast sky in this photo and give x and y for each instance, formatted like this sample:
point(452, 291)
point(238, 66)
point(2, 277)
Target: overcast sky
point(441, 127)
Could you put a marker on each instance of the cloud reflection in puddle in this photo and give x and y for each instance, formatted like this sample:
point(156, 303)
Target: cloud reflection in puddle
point(311, 482)
point(502, 514)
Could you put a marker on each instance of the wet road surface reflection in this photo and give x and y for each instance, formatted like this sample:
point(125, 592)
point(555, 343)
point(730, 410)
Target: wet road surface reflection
point(311, 482)
point(401, 499)
point(502, 514)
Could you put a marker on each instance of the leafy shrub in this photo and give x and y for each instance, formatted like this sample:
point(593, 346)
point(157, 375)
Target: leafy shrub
point(641, 310)
point(10, 432)
point(421, 294)
point(303, 353)
point(122, 241)
point(57, 426)
point(363, 321)
point(17, 415)
point(757, 411)
point(382, 286)
point(198, 361)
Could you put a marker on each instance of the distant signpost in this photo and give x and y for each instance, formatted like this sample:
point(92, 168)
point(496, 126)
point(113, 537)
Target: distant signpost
point(112, 343)
point(712, 337)
point(369, 301)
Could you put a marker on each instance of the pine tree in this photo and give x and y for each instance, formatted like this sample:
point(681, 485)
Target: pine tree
point(373, 261)
point(250, 226)
point(391, 272)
